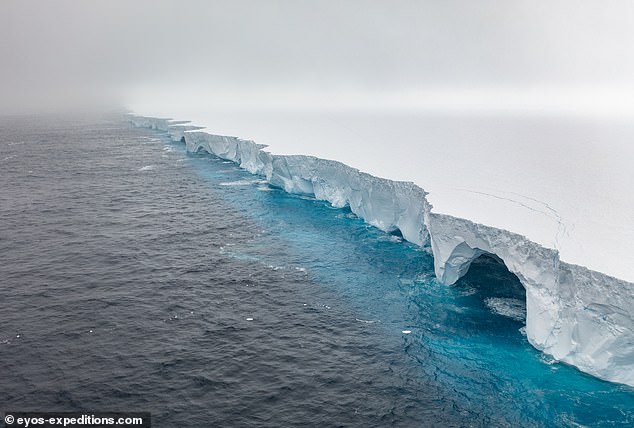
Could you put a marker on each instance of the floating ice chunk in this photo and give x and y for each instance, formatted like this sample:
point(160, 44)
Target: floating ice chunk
point(508, 307)
point(239, 183)
point(367, 321)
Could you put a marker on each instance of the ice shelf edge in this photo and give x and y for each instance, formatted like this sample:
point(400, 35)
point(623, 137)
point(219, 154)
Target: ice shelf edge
point(574, 314)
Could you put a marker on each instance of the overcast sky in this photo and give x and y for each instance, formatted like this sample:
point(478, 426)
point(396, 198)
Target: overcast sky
point(294, 53)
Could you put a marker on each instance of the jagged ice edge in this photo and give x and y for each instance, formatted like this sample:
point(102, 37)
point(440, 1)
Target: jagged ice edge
point(574, 314)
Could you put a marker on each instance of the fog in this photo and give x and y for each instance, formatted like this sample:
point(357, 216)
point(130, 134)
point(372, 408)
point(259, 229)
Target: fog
point(434, 55)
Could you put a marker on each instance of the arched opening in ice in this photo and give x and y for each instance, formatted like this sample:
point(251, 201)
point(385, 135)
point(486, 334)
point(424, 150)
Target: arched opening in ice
point(396, 232)
point(495, 290)
point(200, 150)
point(575, 314)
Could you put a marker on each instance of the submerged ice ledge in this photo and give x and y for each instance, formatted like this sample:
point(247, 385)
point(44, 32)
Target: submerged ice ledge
point(577, 315)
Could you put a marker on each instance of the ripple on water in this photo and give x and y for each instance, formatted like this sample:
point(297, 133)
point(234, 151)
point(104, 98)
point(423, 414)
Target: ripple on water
point(171, 274)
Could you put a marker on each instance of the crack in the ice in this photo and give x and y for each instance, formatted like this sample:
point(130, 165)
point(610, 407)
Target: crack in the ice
point(554, 214)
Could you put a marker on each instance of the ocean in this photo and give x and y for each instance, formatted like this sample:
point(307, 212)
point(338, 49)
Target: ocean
point(136, 276)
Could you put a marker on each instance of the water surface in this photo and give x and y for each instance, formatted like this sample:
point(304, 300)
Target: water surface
point(136, 276)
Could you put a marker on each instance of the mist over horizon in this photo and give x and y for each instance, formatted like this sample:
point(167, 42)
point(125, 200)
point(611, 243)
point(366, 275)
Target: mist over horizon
point(298, 55)
point(317, 213)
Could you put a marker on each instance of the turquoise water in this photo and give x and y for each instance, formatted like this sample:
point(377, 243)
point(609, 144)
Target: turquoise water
point(138, 277)
point(467, 338)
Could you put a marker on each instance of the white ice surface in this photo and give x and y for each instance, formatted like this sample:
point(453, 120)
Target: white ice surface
point(519, 188)
point(564, 183)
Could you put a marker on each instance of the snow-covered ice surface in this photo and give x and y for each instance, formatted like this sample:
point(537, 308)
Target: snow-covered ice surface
point(551, 197)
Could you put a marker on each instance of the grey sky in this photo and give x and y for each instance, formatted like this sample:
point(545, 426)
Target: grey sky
point(113, 47)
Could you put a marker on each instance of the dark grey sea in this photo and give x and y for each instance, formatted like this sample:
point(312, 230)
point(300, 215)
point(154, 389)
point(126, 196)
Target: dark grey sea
point(137, 277)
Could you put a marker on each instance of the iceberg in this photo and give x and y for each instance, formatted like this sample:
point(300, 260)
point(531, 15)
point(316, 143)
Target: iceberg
point(579, 316)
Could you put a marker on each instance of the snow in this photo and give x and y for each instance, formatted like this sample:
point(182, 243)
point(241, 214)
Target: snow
point(549, 196)
point(533, 175)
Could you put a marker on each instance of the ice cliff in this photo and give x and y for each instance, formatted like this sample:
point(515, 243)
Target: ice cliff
point(574, 314)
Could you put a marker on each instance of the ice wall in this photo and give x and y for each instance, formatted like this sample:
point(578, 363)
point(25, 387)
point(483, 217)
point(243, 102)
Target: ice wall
point(578, 316)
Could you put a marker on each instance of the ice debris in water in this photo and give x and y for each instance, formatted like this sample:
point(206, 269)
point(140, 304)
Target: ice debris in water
point(508, 307)
point(367, 321)
point(239, 183)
